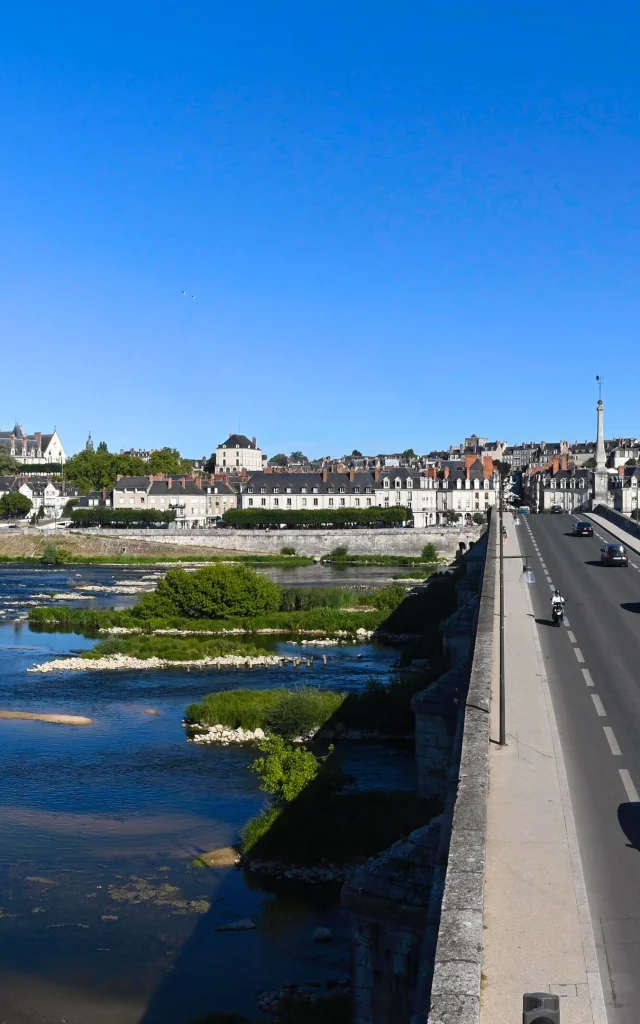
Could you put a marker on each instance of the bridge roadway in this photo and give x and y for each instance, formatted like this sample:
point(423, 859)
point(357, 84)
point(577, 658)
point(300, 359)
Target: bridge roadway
point(593, 667)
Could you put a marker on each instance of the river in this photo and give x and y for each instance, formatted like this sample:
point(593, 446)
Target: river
point(104, 918)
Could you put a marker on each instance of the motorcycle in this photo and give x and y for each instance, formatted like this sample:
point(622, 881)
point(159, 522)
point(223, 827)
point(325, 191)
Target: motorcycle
point(557, 614)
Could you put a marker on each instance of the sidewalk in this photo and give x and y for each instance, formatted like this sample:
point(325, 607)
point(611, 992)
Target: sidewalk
point(538, 932)
point(629, 541)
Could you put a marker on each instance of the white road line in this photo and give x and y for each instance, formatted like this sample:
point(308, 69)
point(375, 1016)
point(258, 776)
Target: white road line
point(598, 706)
point(552, 586)
point(627, 782)
point(566, 622)
point(612, 741)
point(571, 637)
point(578, 653)
point(587, 677)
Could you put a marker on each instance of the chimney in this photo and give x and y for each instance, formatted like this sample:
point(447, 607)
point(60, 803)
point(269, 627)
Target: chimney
point(565, 461)
point(352, 475)
point(324, 476)
point(555, 465)
point(254, 442)
point(620, 470)
point(446, 472)
point(183, 482)
point(376, 474)
point(488, 467)
point(169, 482)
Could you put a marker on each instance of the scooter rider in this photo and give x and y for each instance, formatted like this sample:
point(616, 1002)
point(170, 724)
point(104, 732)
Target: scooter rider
point(557, 604)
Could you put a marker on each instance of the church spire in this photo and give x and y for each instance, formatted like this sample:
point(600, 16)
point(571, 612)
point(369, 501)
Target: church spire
point(89, 445)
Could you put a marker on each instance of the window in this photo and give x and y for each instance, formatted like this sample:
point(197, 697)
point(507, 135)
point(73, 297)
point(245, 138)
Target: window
point(288, 490)
point(314, 491)
point(263, 501)
point(303, 490)
point(131, 500)
point(368, 490)
point(330, 501)
point(386, 482)
point(386, 501)
point(122, 501)
point(251, 501)
point(329, 490)
point(398, 482)
point(343, 501)
point(409, 482)
point(249, 490)
point(341, 490)
point(315, 501)
point(263, 491)
point(368, 501)
point(288, 501)
point(152, 500)
point(276, 490)
point(276, 502)
point(356, 490)
point(304, 501)
point(357, 502)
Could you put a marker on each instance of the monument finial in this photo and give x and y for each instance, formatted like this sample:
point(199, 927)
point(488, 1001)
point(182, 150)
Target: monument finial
point(600, 381)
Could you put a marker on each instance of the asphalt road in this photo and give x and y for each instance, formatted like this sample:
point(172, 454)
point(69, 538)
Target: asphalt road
point(593, 667)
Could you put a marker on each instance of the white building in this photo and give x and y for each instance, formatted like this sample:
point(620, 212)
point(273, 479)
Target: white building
point(196, 502)
point(49, 495)
point(32, 449)
point(239, 453)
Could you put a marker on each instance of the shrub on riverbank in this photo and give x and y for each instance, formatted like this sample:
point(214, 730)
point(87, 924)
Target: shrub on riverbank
point(211, 593)
point(340, 828)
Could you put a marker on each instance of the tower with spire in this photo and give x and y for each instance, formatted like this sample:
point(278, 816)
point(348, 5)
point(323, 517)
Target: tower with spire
point(601, 476)
point(89, 445)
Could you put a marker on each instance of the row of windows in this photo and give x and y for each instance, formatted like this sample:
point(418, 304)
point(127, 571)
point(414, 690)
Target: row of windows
point(316, 501)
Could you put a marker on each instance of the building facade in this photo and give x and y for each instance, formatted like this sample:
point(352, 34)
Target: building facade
point(239, 453)
point(197, 502)
point(32, 449)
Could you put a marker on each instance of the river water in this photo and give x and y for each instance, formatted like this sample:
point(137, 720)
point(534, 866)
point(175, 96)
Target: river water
point(104, 918)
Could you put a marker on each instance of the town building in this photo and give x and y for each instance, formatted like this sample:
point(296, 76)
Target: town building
point(49, 495)
point(431, 497)
point(559, 484)
point(32, 449)
point(197, 502)
point(238, 453)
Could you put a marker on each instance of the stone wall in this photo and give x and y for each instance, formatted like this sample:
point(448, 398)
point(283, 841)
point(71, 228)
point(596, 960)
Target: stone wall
point(310, 542)
point(396, 899)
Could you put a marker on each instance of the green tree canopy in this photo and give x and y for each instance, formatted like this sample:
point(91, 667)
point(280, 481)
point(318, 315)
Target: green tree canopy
point(15, 505)
point(102, 447)
point(356, 454)
point(169, 461)
point(8, 465)
point(590, 464)
point(215, 592)
point(409, 454)
point(91, 471)
point(297, 456)
point(279, 460)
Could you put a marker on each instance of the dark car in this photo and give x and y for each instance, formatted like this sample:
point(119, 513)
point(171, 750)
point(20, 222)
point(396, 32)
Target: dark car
point(556, 510)
point(614, 554)
point(582, 530)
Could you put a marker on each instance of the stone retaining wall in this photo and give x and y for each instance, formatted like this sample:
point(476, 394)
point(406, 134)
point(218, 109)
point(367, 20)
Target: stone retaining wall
point(406, 541)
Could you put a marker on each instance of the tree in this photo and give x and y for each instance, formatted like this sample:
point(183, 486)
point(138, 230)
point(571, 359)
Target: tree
point(102, 447)
point(14, 505)
point(355, 454)
point(215, 592)
point(91, 471)
point(409, 455)
point(286, 770)
point(169, 461)
point(631, 462)
point(210, 464)
point(8, 465)
point(279, 460)
point(478, 518)
point(590, 464)
point(297, 457)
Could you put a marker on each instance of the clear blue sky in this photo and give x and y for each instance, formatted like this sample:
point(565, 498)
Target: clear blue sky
point(402, 221)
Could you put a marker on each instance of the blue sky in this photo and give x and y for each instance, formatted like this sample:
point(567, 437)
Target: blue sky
point(402, 222)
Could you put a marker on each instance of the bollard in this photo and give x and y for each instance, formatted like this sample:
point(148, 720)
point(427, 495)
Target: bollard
point(540, 1008)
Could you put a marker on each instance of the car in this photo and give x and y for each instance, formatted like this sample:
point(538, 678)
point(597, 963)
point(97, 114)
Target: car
point(614, 554)
point(524, 510)
point(556, 510)
point(582, 529)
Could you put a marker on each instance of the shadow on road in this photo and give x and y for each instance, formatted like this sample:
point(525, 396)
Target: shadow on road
point(600, 565)
point(631, 606)
point(629, 821)
point(546, 622)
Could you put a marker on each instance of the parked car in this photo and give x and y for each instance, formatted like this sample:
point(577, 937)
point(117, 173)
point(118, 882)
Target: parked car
point(582, 530)
point(614, 554)
point(524, 510)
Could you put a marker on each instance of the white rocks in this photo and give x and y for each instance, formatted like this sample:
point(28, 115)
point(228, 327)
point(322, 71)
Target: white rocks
point(244, 925)
point(225, 735)
point(322, 935)
point(118, 662)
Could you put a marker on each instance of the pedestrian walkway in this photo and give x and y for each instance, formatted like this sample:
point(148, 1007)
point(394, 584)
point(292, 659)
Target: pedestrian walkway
point(631, 542)
point(538, 934)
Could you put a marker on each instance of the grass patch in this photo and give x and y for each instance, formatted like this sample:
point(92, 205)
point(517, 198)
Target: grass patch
point(171, 648)
point(376, 560)
point(341, 828)
point(286, 713)
point(276, 560)
point(89, 621)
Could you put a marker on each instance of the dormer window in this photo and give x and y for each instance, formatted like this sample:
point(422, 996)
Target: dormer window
point(329, 490)
point(237, 446)
point(409, 482)
point(386, 482)
point(303, 490)
point(356, 490)
point(398, 482)
point(368, 490)
point(263, 490)
point(341, 490)
point(249, 490)
point(276, 490)
point(314, 490)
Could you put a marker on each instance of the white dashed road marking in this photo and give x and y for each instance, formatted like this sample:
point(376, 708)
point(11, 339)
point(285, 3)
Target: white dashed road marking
point(627, 782)
point(566, 622)
point(578, 653)
point(612, 741)
point(571, 637)
point(587, 677)
point(598, 706)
